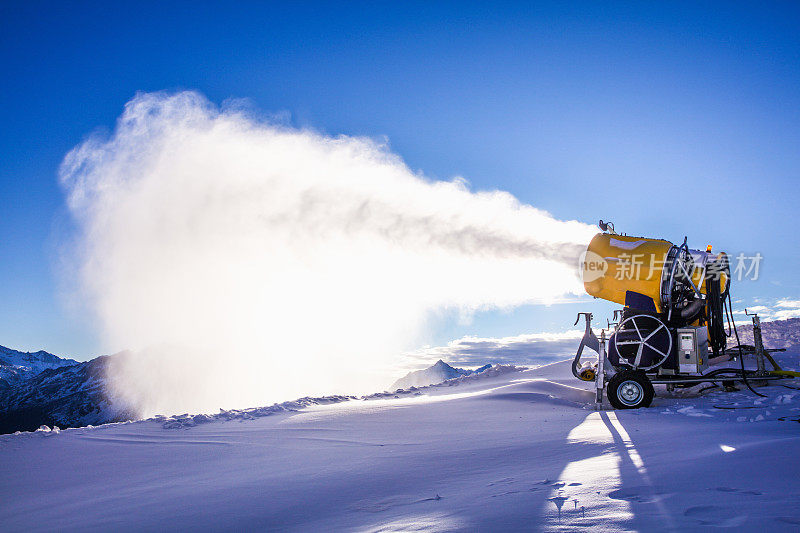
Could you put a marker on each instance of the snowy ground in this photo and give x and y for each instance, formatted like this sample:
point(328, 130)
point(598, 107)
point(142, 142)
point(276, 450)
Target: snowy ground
point(497, 453)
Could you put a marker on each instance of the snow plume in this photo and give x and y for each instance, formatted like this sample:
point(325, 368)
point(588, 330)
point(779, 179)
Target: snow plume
point(246, 262)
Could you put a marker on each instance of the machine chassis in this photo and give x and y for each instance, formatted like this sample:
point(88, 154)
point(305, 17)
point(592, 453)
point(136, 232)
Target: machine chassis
point(603, 378)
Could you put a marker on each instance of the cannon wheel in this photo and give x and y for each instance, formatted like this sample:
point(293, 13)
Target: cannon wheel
point(630, 389)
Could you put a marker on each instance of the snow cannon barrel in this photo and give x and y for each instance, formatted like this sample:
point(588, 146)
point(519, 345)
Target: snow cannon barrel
point(653, 275)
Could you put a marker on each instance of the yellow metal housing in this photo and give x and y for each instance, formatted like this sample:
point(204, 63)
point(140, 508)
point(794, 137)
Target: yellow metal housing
point(615, 264)
point(626, 264)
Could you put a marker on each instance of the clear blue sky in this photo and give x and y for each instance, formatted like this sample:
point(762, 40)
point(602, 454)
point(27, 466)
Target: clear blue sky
point(670, 120)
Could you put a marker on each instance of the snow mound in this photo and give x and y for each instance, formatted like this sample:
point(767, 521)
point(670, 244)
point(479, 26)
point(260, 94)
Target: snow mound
point(186, 420)
point(498, 450)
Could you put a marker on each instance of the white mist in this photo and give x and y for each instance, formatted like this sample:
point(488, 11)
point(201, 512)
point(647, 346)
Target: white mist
point(246, 262)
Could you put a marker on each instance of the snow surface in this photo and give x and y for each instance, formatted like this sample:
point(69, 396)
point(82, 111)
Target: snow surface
point(498, 451)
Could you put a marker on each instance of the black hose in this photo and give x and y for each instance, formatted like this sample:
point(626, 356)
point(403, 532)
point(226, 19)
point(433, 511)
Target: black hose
point(741, 355)
point(716, 320)
point(728, 317)
point(718, 371)
point(722, 371)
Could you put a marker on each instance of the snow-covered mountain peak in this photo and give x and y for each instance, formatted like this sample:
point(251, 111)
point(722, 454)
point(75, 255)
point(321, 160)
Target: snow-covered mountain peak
point(436, 373)
point(16, 365)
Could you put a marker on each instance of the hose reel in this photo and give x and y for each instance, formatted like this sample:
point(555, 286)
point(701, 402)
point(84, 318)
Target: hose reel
point(641, 342)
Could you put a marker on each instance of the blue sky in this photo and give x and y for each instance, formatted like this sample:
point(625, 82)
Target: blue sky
point(669, 120)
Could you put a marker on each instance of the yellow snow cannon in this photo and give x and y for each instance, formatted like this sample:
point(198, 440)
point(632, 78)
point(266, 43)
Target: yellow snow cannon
point(653, 275)
point(672, 320)
point(671, 324)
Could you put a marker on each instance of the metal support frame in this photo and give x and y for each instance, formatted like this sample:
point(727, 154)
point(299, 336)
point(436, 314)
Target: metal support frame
point(600, 381)
point(758, 342)
point(700, 379)
point(599, 345)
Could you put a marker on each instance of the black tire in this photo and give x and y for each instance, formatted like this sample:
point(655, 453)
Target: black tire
point(630, 389)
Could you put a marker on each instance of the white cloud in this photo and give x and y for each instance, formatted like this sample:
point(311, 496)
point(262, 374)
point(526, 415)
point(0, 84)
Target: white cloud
point(762, 309)
point(528, 349)
point(788, 309)
point(781, 309)
point(785, 314)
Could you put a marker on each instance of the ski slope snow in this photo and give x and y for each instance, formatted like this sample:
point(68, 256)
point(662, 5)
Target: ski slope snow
point(505, 451)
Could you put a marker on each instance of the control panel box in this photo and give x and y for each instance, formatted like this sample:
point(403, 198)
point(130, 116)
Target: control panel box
point(692, 349)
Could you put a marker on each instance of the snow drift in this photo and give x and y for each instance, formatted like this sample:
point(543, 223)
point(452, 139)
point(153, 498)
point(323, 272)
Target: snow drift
point(249, 262)
point(508, 451)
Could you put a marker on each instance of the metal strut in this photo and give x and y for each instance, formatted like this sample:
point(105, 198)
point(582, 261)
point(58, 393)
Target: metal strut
point(760, 352)
point(600, 382)
point(589, 340)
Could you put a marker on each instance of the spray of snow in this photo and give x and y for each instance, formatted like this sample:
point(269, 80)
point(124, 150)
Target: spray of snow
point(245, 261)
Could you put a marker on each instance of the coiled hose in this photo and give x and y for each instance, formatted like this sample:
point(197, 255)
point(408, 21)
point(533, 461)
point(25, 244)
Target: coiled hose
point(716, 321)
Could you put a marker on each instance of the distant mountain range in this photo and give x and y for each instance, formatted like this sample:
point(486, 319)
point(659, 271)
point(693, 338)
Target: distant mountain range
point(432, 375)
point(16, 366)
point(39, 388)
point(776, 334)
